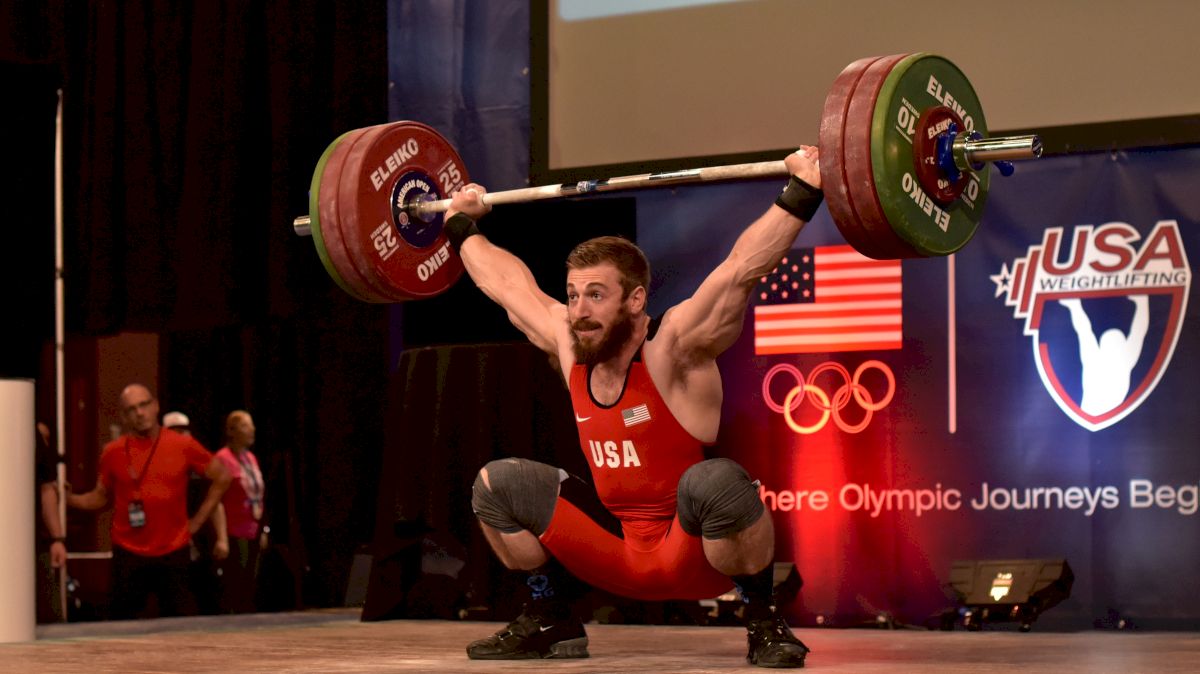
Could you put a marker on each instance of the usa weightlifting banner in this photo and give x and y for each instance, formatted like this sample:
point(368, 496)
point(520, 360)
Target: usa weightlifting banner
point(1028, 397)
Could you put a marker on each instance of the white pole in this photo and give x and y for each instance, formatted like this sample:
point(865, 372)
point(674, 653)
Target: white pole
point(951, 347)
point(60, 375)
point(17, 568)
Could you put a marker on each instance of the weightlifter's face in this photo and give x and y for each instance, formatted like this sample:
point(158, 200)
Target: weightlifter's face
point(601, 321)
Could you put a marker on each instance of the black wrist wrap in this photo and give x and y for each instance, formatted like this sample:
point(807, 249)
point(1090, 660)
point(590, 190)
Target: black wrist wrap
point(458, 228)
point(800, 199)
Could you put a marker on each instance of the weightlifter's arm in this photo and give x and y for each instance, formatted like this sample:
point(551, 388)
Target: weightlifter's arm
point(710, 321)
point(502, 276)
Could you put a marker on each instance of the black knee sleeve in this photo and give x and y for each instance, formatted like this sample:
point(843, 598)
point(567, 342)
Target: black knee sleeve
point(717, 499)
point(521, 497)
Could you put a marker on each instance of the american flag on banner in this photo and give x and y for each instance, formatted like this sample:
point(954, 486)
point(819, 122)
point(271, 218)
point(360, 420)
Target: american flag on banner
point(826, 299)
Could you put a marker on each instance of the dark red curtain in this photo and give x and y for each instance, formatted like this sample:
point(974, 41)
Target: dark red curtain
point(193, 128)
point(191, 133)
point(27, 176)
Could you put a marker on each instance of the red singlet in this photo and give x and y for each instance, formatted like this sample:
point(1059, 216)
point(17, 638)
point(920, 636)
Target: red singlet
point(637, 451)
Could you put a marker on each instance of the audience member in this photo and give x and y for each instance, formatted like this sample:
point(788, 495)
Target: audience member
point(146, 472)
point(243, 503)
point(52, 536)
point(178, 422)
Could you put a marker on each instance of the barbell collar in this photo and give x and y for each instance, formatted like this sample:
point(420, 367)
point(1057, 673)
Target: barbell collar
point(970, 154)
point(302, 225)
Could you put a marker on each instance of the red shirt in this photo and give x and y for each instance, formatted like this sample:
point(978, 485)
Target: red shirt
point(636, 449)
point(162, 488)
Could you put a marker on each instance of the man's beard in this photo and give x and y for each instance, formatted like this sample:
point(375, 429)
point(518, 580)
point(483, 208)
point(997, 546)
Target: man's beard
point(609, 345)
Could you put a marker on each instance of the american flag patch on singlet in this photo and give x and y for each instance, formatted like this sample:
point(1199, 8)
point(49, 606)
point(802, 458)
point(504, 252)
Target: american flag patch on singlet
point(635, 415)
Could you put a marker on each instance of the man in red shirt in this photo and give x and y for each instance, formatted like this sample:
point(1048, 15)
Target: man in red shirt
point(647, 399)
point(146, 471)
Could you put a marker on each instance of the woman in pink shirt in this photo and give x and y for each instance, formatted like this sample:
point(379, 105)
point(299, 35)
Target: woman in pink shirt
point(243, 503)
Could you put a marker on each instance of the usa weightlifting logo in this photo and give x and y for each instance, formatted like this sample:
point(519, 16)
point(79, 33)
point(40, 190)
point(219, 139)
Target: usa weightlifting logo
point(1104, 317)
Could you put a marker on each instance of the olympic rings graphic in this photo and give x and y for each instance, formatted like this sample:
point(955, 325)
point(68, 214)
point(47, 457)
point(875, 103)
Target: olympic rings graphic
point(829, 406)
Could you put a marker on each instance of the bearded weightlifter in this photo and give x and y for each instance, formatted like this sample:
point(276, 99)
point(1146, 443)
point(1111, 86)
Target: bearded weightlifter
point(647, 398)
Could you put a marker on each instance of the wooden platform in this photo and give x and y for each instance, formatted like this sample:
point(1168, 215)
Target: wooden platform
point(335, 641)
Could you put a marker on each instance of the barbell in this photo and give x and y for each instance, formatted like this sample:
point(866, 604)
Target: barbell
point(904, 151)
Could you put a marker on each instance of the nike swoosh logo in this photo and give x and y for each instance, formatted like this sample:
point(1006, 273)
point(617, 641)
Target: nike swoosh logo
point(581, 419)
point(543, 629)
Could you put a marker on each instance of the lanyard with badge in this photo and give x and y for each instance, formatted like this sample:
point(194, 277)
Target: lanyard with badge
point(255, 492)
point(137, 514)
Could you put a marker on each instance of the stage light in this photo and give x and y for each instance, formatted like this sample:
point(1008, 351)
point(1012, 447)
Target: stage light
point(1009, 590)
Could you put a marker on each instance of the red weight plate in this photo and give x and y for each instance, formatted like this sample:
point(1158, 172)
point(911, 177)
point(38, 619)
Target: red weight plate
point(394, 164)
point(314, 213)
point(833, 165)
point(331, 226)
point(859, 176)
point(346, 205)
point(934, 123)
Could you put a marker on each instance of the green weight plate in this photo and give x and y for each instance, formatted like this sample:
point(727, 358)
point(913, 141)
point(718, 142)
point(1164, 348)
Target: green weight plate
point(917, 83)
point(860, 178)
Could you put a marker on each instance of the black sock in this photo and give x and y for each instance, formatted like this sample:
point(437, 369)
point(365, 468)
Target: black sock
point(758, 592)
point(552, 589)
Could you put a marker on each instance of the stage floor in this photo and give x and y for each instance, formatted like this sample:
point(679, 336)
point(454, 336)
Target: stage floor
point(335, 641)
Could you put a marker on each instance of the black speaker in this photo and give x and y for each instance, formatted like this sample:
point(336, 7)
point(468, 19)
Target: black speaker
point(994, 590)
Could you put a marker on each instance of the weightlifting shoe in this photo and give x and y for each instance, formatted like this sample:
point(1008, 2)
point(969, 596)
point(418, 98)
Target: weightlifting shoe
point(772, 644)
point(532, 636)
